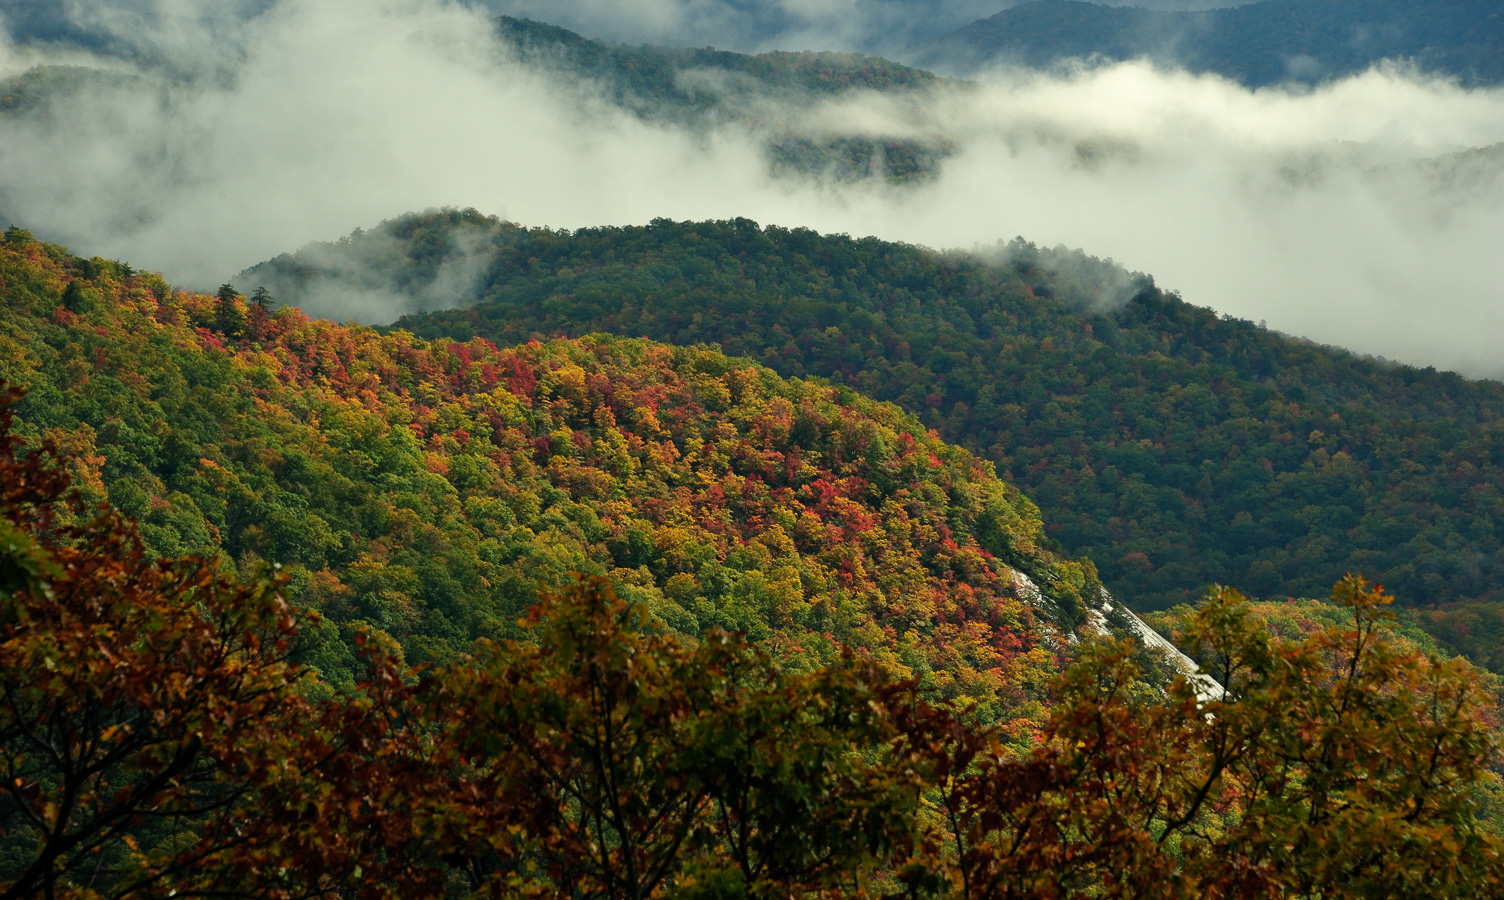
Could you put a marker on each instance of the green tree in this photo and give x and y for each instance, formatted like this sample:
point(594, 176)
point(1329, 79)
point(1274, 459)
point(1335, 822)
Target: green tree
point(229, 312)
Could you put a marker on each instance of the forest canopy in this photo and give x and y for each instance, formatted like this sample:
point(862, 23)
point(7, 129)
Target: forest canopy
point(1173, 447)
point(425, 489)
point(158, 740)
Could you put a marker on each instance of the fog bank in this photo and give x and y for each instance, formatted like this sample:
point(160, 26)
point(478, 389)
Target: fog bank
point(1352, 214)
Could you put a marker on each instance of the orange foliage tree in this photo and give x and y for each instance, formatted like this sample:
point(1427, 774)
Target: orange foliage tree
point(1338, 765)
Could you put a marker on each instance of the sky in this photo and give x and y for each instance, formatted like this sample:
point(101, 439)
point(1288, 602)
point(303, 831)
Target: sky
point(1312, 210)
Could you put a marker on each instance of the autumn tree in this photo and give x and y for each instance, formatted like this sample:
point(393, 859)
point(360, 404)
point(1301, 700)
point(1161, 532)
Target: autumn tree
point(258, 313)
point(156, 739)
point(643, 763)
point(127, 681)
point(1334, 766)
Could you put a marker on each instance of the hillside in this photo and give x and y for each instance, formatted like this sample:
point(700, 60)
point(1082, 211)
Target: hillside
point(766, 92)
point(1257, 44)
point(655, 78)
point(428, 488)
point(1173, 447)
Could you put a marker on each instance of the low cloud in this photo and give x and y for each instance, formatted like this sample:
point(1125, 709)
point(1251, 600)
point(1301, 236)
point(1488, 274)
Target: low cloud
point(871, 26)
point(1360, 213)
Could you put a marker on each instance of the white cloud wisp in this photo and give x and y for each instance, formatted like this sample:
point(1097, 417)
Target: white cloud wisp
point(1313, 210)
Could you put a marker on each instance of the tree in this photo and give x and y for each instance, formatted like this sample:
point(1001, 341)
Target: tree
point(229, 316)
point(78, 298)
point(1335, 766)
point(262, 299)
point(156, 739)
point(636, 763)
point(258, 313)
point(129, 682)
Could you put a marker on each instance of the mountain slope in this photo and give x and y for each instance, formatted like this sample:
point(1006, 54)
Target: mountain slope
point(766, 92)
point(1257, 44)
point(769, 95)
point(428, 488)
point(654, 78)
point(1173, 447)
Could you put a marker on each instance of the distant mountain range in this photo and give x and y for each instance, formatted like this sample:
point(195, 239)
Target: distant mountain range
point(1258, 44)
point(871, 26)
point(767, 93)
point(701, 87)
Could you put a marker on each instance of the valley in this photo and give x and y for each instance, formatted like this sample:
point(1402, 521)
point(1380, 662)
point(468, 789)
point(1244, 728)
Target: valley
point(628, 454)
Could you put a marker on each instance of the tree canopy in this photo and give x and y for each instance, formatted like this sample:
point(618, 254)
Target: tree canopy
point(426, 489)
point(158, 741)
point(1173, 447)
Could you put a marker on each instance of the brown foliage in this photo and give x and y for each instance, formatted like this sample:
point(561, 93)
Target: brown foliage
point(130, 684)
point(1336, 766)
point(157, 738)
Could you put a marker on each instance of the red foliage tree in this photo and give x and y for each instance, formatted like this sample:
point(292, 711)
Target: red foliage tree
point(128, 684)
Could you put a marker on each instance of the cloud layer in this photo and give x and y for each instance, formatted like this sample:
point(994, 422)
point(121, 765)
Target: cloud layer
point(1314, 211)
point(872, 26)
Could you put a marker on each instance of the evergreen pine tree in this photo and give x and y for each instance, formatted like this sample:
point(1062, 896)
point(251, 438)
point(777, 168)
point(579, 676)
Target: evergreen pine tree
point(259, 314)
point(229, 318)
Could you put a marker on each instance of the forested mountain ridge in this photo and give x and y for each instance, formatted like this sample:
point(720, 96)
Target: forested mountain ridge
point(425, 495)
point(1174, 447)
point(704, 86)
point(768, 94)
point(427, 488)
point(1256, 44)
point(647, 75)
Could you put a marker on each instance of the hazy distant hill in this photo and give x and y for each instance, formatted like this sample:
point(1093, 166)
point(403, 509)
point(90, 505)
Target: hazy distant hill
point(872, 26)
point(697, 87)
point(1174, 447)
point(656, 76)
point(1262, 43)
point(771, 94)
point(33, 90)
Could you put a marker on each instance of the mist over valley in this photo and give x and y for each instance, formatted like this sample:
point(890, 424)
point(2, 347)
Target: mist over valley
point(1352, 213)
point(705, 448)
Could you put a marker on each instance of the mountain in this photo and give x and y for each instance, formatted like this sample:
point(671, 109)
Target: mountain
point(656, 78)
point(33, 90)
point(1173, 447)
point(1258, 44)
point(768, 94)
point(428, 488)
point(882, 27)
point(765, 91)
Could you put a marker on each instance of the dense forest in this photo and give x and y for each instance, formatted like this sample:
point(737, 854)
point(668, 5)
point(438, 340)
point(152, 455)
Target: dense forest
point(1256, 44)
point(1173, 447)
point(427, 488)
point(161, 739)
point(709, 560)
